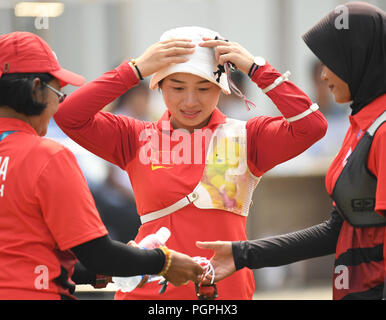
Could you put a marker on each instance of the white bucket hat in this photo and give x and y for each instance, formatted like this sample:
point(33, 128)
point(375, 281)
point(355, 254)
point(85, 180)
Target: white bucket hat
point(201, 63)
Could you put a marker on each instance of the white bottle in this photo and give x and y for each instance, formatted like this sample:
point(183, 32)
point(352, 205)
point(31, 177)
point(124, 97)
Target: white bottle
point(152, 241)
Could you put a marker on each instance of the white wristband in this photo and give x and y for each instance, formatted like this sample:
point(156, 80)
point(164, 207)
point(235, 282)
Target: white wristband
point(277, 82)
point(311, 109)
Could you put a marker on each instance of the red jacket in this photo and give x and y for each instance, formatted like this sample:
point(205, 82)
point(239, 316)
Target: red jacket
point(270, 141)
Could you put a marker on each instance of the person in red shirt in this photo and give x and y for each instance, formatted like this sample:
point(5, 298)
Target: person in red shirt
point(354, 61)
point(170, 161)
point(48, 219)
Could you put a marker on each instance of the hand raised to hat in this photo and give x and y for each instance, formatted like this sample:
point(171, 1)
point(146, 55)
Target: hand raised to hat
point(164, 53)
point(230, 52)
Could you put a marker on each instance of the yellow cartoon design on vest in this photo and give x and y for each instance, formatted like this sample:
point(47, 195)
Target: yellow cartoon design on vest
point(226, 182)
point(218, 179)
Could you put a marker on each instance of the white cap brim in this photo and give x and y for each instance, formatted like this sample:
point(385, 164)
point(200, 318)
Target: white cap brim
point(201, 63)
point(184, 68)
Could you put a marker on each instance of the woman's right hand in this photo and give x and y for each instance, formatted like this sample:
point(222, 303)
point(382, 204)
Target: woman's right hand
point(164, 53)
point(183, 269)
point(222, 260)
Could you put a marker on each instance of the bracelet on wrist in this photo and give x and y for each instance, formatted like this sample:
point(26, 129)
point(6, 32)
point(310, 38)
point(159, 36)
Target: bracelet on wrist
point(134, 63)
point(168, 260)
point(253, 69)
point(101, 281)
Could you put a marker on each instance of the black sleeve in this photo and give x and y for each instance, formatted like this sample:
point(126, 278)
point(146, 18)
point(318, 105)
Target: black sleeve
point(83, 276)
point(113, 258)
point(312, 242)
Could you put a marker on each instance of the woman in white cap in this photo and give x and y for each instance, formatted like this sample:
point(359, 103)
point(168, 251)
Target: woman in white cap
point(193, 170)
point(48, 218)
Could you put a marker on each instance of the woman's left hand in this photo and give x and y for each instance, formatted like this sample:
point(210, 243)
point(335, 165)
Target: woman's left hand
point(230, 52)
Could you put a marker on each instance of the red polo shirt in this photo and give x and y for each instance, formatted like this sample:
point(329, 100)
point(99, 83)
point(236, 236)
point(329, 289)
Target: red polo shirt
point(366, 270)
point(45, 209)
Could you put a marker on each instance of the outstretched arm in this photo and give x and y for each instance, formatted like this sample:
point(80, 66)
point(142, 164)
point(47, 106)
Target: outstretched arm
point(109, 257)
point(312, 242)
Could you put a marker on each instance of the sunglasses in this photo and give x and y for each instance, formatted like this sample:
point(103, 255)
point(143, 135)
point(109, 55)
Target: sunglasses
point(60, 95)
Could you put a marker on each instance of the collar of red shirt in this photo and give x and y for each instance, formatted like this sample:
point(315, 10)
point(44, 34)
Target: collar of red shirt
point(216, 118)
point(8, 124)
point(368, 114)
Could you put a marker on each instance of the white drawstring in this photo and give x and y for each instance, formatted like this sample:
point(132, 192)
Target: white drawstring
point(205, 263)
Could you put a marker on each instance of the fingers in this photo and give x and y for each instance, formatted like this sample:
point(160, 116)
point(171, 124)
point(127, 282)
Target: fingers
point(177, 51)
point(210, 245)
point(176, 59)
point(230, 52)
point(177, 47)
point(210, 43)
point(204, 245)
point(207, 279)
point(176, 40)
point(221, 51)
point(164, 53)
point(178, 43)
point(197, 272)
point(133, 244)
point(182, 269)
point(199, 269)
point(224, 58)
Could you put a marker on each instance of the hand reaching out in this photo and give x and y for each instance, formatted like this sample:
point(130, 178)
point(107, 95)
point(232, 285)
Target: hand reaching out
point(222, 260)
point(183, 269)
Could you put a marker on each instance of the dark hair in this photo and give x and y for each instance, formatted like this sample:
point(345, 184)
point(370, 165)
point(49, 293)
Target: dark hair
point(160, 83)
point(16, 92)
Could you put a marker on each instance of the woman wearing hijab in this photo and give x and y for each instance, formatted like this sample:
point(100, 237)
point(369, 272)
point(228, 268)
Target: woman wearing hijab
point(194, 170)
point(354, 66)
point(48, 219)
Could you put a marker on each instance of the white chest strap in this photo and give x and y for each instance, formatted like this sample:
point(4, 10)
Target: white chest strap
point(190, 198)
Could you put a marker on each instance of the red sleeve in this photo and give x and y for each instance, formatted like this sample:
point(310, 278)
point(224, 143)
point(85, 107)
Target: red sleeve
point(66, 202)
point(109, 136)
point(273, 140)
point(377, 165)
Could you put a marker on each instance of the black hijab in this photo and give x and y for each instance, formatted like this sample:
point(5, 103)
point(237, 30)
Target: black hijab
point(356, 54)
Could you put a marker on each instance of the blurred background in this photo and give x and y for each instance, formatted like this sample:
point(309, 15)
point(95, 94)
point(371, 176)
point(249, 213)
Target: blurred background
point(91, 37)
